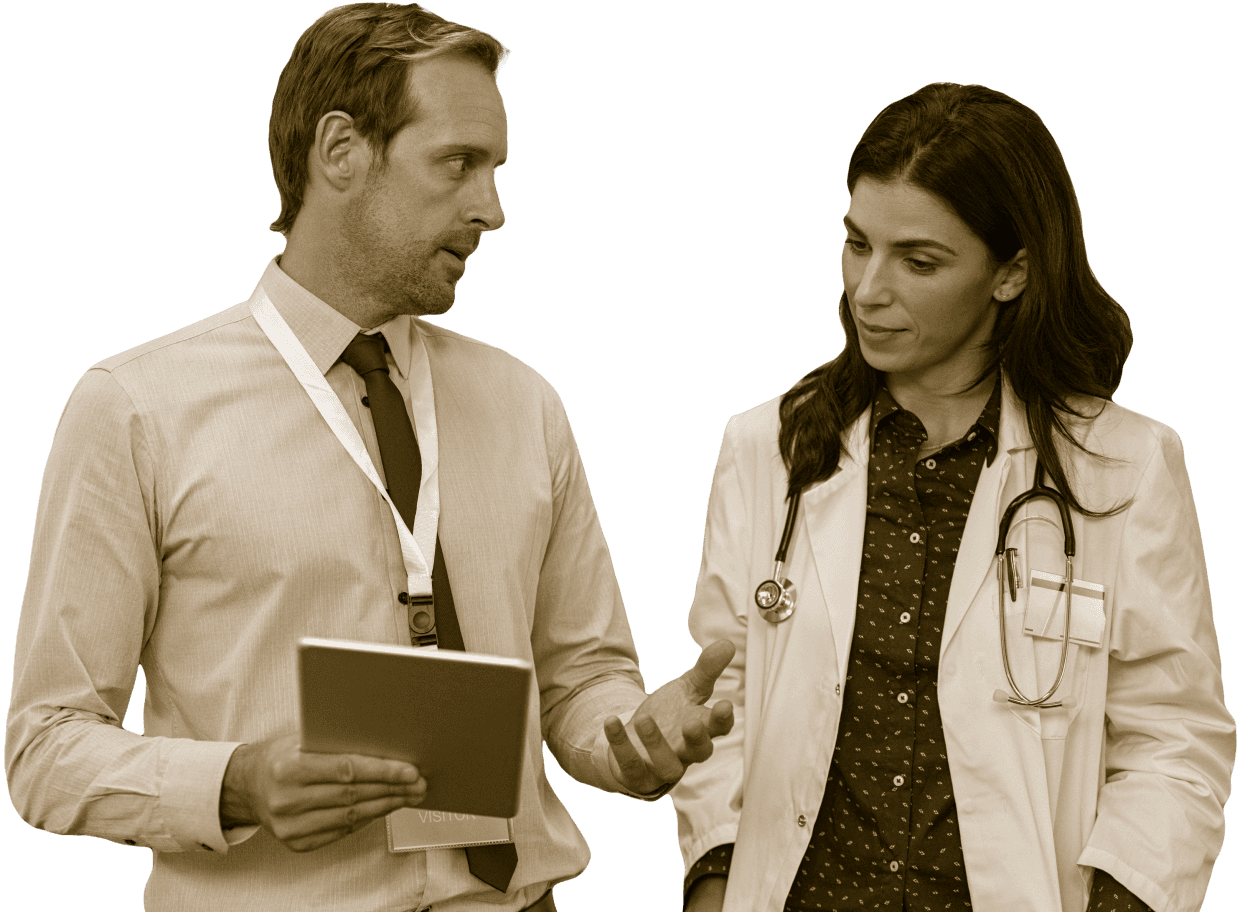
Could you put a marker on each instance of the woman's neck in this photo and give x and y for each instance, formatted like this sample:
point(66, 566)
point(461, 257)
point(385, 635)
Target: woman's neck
point(947, 414)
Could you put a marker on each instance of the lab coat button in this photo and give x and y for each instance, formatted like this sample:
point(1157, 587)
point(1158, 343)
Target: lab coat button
point(801, 821)
point(902, 698)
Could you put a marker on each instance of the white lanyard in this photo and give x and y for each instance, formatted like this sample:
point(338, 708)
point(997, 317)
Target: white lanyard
point(415, 545)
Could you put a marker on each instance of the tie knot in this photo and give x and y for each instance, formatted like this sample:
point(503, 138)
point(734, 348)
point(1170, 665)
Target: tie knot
point(365, 353)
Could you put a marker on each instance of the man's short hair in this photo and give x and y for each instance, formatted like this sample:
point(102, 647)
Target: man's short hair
point(356, 59)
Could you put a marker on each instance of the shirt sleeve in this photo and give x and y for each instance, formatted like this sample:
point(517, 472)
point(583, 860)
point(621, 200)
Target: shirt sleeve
point(91, 601)
point(714, 863)
point(1108, 895)
point(1170, 742)
point(583, 650)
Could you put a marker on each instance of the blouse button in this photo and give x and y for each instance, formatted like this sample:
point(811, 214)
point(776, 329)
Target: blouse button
point(895, 866)
point(801, 820)
point(905, 617)
point(898, 780)
point(915, 537)
point(902, 698)
point(930, 463)
point(972, 434)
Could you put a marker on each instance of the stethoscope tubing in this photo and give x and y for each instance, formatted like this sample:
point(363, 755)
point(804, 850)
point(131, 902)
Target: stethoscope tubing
point(776, 597)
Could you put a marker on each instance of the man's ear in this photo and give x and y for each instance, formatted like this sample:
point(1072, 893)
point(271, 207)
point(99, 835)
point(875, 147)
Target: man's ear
point(339, 156)
point(1013, 276)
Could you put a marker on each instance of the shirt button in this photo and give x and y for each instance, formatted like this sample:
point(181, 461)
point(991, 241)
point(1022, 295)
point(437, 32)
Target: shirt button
point(905, 617)
point(902, 698)
point(207, 847)
point(930, 463)
point(801, 820)
point(895, 866)
point(837, 690)
point(366, 401)
point(898, 780)
point(915, 538)
point(130, 842)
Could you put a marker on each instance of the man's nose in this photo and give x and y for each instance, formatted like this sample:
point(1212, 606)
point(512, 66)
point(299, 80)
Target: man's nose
point(484, 210)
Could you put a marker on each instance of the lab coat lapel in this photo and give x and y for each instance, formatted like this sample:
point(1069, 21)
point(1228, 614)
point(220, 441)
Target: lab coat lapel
point(999, 483)
point(835, 518)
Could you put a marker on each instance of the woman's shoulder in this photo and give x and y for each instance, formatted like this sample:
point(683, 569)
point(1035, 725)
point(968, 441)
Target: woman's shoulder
point(758, 424)
point(1116, 432)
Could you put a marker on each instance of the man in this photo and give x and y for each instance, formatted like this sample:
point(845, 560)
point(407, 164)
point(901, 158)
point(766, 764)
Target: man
point(199, 515)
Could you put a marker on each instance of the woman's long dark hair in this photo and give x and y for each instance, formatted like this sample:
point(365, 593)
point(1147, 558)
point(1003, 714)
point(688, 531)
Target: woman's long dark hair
point(994, 163)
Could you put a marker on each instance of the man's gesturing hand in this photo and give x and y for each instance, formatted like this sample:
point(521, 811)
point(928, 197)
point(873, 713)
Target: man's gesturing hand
point(308, 800)
point(673, 725)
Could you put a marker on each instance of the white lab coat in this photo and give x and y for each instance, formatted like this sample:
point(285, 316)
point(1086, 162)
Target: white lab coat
point(1132, 778)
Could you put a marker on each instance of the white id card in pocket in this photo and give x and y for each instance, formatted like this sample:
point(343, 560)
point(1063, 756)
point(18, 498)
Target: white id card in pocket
point(1045, 609)
point(415, 830)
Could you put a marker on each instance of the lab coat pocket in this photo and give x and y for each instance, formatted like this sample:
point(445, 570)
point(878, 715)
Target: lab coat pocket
point(1035, 627)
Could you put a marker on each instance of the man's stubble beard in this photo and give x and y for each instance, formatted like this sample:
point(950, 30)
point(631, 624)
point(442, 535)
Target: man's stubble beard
point(396, 279)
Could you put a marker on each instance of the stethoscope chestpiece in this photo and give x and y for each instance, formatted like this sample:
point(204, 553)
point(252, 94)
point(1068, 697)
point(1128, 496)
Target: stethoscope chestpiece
point(775, 599)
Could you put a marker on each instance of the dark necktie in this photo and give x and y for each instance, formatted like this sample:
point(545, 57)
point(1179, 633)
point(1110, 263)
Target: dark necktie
point(402, 467)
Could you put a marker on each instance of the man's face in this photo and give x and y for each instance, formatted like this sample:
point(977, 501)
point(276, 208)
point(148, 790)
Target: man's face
point(418, 217)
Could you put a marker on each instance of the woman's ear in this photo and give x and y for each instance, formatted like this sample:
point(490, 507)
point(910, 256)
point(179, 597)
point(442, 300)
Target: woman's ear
point(1012, 277)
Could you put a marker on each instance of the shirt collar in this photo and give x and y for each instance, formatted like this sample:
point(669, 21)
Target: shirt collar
point(322, 330)
point(885, 406)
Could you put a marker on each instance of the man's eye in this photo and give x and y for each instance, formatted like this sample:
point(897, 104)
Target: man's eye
point(855, 245)
point(460, 163)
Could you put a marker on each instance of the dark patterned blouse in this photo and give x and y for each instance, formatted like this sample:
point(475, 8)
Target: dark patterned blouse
point(886, 836)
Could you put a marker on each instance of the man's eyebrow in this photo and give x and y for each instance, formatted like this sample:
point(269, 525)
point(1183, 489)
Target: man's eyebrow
point(456, 148)
point(906, 243)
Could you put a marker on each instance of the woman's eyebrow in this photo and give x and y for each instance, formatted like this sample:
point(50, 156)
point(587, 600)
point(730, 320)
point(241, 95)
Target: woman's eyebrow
point(906, 244)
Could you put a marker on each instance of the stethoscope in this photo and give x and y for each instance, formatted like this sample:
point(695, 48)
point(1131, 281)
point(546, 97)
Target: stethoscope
point(1007, 566)
point(777, 597)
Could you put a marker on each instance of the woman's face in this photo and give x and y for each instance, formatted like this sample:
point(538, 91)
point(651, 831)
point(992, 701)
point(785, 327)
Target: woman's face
point(923, 289)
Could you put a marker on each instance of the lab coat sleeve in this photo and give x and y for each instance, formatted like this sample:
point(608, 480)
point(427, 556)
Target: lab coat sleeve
point(1170, 742)
point(708, 798)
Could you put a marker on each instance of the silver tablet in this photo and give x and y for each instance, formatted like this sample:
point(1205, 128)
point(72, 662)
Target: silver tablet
point(458, 716)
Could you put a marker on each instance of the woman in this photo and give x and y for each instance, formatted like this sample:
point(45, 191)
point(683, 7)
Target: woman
point(887, 752)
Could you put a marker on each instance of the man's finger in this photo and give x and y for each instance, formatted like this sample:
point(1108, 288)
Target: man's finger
point(354, 769)
point(698, 745)
point(633, 772)
point(721, 719)
point(710, 665)
point(665, 764)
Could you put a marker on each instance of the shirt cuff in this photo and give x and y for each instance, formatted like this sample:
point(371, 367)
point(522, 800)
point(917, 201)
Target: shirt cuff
point(189, 796)
point(601, 755)
point(715, 862)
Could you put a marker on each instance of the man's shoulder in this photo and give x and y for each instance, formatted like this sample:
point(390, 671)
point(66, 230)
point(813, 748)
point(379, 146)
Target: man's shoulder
point(468, 358)
point(177, 345)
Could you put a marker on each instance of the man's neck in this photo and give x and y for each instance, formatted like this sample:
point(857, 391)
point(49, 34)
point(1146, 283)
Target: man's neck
point(315, 274)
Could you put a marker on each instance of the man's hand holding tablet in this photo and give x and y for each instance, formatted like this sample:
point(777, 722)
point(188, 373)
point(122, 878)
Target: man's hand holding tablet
point(673, 725)
point(308, 800)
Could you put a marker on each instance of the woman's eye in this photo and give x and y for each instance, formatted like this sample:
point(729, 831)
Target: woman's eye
point(921, 265)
